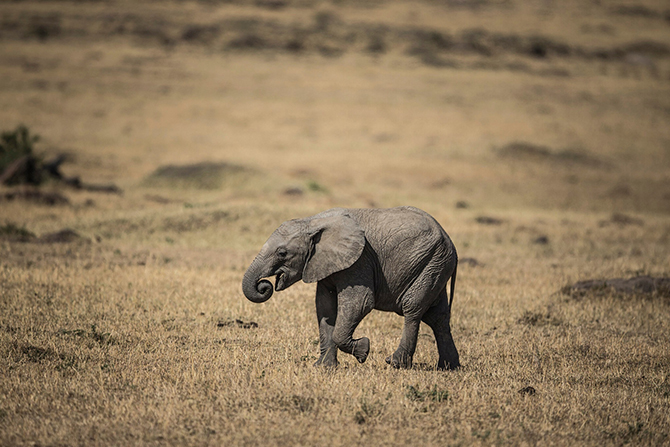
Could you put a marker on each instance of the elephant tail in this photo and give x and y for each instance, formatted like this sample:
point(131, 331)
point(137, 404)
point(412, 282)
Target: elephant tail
point(453, 284)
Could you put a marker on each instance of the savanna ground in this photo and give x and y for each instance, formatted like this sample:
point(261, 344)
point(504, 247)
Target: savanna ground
point(535, 132)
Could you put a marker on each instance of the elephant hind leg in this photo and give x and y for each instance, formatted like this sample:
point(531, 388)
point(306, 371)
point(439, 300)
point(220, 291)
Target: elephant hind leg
point(438, 318)
point(402, 357)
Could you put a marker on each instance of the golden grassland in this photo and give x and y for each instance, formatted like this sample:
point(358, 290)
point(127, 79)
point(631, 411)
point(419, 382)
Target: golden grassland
point(137, 333)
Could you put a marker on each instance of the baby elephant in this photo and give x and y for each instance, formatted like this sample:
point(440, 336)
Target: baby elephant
point(397, 259)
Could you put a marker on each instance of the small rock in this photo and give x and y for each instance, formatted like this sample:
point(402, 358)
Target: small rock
point(638, 285)
point(541, 240)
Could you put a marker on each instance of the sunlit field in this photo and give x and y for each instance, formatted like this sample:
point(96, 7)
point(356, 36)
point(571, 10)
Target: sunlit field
point(535, 132)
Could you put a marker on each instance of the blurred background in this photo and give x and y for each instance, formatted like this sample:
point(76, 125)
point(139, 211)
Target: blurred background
point(148, 149)
point(456, 103)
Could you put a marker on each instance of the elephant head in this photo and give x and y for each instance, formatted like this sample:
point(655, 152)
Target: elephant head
point(310, 249)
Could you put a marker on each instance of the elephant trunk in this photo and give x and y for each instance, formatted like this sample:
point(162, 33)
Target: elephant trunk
point(256, 289)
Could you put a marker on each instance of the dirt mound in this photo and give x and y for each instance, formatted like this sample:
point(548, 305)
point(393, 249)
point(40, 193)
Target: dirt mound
point(621, 220)
point(519, 150)
point(62, 236)
point(204, 175)
point(638, 285)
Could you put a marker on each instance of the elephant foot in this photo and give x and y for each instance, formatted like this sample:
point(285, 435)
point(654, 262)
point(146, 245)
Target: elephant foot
point(326, 363)
point(443, 365)
point(361, 349)
point(399, 361)
point(328, 358)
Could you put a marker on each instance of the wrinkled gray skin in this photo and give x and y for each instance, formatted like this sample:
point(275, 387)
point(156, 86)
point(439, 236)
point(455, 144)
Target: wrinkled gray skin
point(395, 260)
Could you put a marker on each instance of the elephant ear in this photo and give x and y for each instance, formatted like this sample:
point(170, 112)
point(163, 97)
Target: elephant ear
point(336, 243)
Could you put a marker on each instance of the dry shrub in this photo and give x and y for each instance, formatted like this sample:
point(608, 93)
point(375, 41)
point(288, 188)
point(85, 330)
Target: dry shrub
point(11, 231)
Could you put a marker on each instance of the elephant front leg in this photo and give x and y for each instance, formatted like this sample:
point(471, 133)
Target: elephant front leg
point(354, 303)
point(326, 313)
point(402, 357)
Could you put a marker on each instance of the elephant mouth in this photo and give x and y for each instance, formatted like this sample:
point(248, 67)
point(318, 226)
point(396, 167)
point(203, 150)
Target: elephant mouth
point(280, 282)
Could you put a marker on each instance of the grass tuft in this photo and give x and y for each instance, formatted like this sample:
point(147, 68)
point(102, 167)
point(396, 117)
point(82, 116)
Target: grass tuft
point(413, 393)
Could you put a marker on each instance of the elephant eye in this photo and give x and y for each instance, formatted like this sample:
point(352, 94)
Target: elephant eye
point(282, 253)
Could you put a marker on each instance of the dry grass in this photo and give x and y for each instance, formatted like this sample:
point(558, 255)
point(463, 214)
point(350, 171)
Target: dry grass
point(127, 335)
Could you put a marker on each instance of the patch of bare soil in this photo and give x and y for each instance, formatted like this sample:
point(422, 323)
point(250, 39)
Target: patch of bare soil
point(640, 285)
